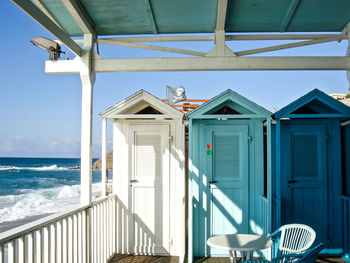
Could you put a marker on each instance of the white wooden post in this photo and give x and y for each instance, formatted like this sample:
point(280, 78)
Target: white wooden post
point(269, 182)
point(104, 157)
point(88, 80)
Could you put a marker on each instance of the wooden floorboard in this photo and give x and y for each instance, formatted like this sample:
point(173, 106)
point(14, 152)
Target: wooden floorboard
point(226, 260)
point(164, 259)
point(122, 258)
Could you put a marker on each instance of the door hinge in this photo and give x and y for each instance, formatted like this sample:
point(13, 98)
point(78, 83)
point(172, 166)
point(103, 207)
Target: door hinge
point(171, 139)
point(250, 139)
point(328, 138)
point(171, 242)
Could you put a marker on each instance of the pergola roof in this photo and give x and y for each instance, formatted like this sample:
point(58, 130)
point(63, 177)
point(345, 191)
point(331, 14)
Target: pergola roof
point(133, 23)
point(130, 17)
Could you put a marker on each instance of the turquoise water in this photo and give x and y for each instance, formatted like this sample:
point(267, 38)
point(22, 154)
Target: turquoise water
point(35, 186)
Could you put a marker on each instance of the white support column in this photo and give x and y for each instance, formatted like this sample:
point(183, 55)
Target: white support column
point(104, 172)
point(88, 79)
point(220, 49)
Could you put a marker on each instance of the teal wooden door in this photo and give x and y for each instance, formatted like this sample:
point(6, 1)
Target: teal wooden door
point(227, 180)
point(305, 185)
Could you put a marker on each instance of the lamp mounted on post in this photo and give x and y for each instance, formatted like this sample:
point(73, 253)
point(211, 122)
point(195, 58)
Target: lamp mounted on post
point(48, 45)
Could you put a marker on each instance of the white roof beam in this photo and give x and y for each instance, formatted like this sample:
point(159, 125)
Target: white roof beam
point(290, 45)
point(34, 12)
point(212, 38)
point(45, 11)
point(151, 47)
point(221, 15)
point(289, 16)
point(346, 29)
point(281, 36)
point(151, 16)
point(200, 64)
point(80, 16)
point(220, 48)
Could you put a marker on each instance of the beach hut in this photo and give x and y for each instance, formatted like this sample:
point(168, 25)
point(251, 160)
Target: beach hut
point(309, 181)
point(229, 170)
point(148, 175)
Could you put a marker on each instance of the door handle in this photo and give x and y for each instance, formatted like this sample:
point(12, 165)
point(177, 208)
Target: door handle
point(134, 181)
point(212, 182)
point(292, 182)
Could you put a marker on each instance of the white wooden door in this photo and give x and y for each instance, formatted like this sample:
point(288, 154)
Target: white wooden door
point(149, 189)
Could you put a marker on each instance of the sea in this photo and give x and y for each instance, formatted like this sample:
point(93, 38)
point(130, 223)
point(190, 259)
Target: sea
point(33, 187)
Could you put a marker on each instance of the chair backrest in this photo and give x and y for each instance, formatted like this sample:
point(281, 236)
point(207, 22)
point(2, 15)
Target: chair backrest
point(294, 238)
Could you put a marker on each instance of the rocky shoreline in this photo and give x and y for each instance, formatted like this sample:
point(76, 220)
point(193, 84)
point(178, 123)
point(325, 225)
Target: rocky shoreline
point(98, 163)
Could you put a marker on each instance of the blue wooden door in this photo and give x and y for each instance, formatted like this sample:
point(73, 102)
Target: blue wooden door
point(304, 197)
point(227, 180)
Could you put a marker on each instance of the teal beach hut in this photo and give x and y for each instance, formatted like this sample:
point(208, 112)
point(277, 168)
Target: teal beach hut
point(229, 171)
point(311, 181)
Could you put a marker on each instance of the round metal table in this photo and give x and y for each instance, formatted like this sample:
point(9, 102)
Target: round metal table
point(239, 242)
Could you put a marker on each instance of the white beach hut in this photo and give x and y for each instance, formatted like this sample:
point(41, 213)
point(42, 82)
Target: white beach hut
point(148, 175)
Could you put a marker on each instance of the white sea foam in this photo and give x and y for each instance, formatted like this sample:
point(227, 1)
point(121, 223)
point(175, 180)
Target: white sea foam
point(41, 201)
point(53, 167)
point(7, 167)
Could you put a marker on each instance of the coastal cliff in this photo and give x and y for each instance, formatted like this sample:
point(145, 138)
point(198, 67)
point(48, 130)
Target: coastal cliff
point(98, 163)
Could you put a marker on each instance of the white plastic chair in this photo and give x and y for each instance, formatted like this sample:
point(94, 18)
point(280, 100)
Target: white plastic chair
point(293, 238)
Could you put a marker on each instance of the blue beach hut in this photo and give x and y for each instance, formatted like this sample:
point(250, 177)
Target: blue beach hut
point(228, 170)
point(310, 179)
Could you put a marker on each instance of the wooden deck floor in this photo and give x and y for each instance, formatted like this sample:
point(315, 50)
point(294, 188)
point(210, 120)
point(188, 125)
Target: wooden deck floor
point(161, 259)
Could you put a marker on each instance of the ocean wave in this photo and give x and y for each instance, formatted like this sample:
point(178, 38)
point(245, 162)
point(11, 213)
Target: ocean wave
point(41, 201)
point(53, 167)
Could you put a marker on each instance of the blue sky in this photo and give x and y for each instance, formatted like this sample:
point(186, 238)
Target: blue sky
point(40, 113)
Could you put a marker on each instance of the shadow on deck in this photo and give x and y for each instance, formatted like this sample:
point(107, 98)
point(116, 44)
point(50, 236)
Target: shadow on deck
point(164, 259)
point(122, 258)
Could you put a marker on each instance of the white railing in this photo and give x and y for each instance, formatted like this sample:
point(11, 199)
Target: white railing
point(86, 234)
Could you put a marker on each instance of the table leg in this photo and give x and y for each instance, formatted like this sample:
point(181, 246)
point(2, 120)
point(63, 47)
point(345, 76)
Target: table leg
point(233, 258)
point(248, 255)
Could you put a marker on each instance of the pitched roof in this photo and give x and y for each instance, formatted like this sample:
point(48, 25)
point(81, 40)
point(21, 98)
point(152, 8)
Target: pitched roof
point(315, 104)
point(140, 104)
point(230, 104)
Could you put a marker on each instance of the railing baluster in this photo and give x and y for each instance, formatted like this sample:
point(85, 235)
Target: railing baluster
point(75, 237)
point(30, 248)
point(114, 206)
point(103, 239)
point(52, 245)
point(58, 250)
point(99, 230)
point(108, 229)
point(37, 243)
point(11, 252)
point(46, 247)
point(21, 250)
point(70, 239)
point(65, 240)
point(86, 234)
point(2, 254)
point(95, 233)
point(79, 237)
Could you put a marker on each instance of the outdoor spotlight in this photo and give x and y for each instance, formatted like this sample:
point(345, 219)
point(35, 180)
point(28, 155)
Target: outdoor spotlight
point(48, 45)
